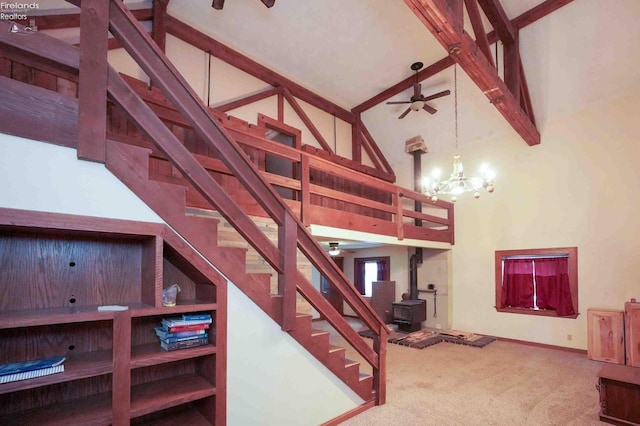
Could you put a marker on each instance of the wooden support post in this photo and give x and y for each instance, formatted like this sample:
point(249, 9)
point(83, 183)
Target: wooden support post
point(159, 32)
point(380, 371)
point(92, 86)
point(287, 243)
point(121, 376)
point(397, 199)
point(305, 194)
point(356, 140)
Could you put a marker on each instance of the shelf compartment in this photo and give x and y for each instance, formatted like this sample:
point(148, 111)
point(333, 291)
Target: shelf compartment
point(151, 354)
point(47, 316)
point(77, 366)
point(91, 411)
point(166, 393)
point(85, 402)
point(182, 415)
point(183, 306)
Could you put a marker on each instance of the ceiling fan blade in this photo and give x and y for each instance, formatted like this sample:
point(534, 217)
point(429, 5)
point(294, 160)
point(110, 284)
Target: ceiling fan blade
point(404, 114)
point(437, 95)
point(429, 109)
point(416, 90)
point(398, 102)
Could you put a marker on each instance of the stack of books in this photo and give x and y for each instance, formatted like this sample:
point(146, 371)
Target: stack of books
point(187, 331)
point(30, 369)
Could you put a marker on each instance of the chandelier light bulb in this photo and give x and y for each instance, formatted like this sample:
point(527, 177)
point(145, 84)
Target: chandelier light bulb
point(417, 105)
point(458, 183)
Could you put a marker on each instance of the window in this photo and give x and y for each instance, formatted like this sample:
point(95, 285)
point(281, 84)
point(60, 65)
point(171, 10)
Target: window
point(537, 281)
point(370, 269)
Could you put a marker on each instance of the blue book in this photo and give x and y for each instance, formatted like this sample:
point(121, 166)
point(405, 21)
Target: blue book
point(196, 317)
point(184, 339)
point(20, 367)
point(179, 321)
point(163, 333)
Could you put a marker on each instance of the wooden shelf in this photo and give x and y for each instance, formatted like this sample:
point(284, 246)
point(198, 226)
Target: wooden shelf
point(77, 366)
point(47, 316)
point(159, 395)
point(57, 270)
point(184, 306)
point(189, 416)
point(152, 354)
point(93, 410)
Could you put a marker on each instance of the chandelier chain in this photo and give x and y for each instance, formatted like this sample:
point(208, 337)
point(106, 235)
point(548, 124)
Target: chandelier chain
point(455, 100)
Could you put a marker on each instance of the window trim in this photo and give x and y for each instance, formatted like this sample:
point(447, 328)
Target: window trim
point(571, 252)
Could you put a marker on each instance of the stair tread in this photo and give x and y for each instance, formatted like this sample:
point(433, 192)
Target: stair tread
point(334, 348)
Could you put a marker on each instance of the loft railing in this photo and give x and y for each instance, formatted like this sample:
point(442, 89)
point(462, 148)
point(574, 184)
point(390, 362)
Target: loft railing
point(318, 185)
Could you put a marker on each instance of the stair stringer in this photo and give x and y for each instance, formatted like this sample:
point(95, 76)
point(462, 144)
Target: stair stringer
point(130, 164)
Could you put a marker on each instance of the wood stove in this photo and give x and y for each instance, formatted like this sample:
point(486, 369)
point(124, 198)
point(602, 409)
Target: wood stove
point(409, 314)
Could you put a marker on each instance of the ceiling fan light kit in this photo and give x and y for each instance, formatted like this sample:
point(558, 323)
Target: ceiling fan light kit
point(333, 249)
point(418, 101)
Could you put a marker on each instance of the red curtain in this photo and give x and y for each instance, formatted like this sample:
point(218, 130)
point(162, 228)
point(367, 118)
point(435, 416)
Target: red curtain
point(517, 285)
point(552, 285)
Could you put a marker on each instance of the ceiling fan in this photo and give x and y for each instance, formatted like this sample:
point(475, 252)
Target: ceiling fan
point(418, 101)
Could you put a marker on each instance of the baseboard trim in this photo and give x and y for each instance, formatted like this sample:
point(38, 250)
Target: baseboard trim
point(543, 345)
point(351, 413)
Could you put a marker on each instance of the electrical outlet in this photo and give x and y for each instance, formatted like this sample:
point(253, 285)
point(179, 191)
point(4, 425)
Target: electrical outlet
point(569, 337)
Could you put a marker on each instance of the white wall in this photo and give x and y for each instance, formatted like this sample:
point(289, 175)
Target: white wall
point(283, 386)
point(270, 378)
point(577, 188)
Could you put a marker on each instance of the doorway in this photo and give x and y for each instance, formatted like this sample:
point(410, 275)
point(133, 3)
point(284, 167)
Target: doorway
point(330, 292)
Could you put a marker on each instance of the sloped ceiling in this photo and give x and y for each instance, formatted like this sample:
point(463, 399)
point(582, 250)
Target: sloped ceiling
point(349, 51)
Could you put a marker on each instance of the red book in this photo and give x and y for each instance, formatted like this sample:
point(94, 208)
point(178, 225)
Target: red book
point(193, 327)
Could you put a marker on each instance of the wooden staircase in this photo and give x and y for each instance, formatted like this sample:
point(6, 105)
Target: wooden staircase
point(131, 165)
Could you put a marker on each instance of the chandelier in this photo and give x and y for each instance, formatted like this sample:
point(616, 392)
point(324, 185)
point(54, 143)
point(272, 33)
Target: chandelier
point(457, 183)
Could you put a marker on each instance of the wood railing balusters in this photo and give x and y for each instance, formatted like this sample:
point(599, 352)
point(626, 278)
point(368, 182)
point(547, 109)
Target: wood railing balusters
point(287, 287)
point(148, 56)
point(305, 192)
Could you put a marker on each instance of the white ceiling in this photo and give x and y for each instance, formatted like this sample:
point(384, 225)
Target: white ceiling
point(350, 50)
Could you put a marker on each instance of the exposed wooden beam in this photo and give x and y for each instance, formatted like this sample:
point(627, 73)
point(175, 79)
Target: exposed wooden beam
point(478, 29)
point(405, 84)
point(249, 99)
point(217, 4)
point(499, 20)
point(306, 120)
point(508, 34)
point(203, 42)
point(437, 17)
point(268, 3)
point(72, 20)
point(538, 12)
point(521, 21)
point(376, 149)
point(159, 31)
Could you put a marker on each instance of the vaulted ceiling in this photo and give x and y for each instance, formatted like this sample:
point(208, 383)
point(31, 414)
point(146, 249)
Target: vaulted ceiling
point(356, 52)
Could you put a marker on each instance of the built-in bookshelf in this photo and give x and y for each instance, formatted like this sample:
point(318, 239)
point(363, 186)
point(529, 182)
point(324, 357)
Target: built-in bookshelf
point(55, 271)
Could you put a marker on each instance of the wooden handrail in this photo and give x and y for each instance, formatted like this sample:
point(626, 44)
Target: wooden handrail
point(165, 76)
point(66, 57)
